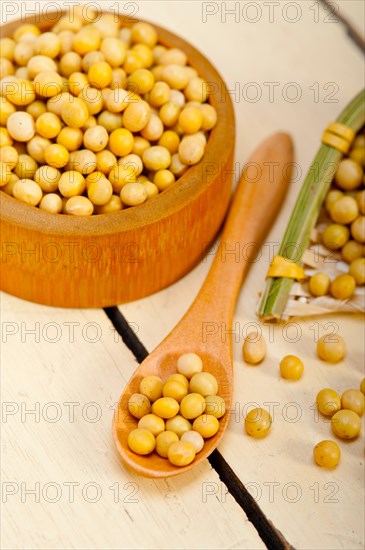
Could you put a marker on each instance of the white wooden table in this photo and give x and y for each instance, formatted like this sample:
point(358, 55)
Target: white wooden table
point(62, 370)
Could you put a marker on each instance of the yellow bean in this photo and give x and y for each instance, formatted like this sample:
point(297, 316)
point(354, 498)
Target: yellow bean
point(176, 76)
point(77, 82)
point(136, 116)
point(106, 23)
point(71, 138)
point(74, 113)
point(36, 148)
point(26, 31)
point(48, 84)
point(20, 126)
point(113, 50)
point(196, 90)
point(105, 160)
point(92, 98)
point(343, 287)
point(209, 115)
point(48, 125)
point(254, 348)
point(194, 438)
point(79, 206)
point(5, 138)
point(87, 39)
point(139, 405)
point(159, 94)
point(40, 63)
point(206, 425)
point(145, 54)
point(56, 155)
point(36, 109)
point(151, 189)
point(84, 161)
point(190, 120)
point(156, 158)
point(28, 191)
point(100, 192)
point(9, 155)
point(215, 405)
point(170, 140)
point(153, 129)
point(8, 187)
point(181, 453)
point(328, 401)
point(121, 142)
point(6, 109)
point(165, 407)
point(319, 284)
point(203, 383)
point(49, 44)
point(331, 348)
point(23, 53)
point(351, 251)
point(191, 149)
point(66, 38)
point(51, 203)
point(26, 167)
point(119, 78)
point(71, 184)
point(47, 178)
point(141, 441)
point(357, 270)
point(141, 81)
point(163, 442)
point(173, 55)
point(358, 229)
point(133, 194)
point(70, 63)
point(169, 113)
point(90, 58)
point(174, 389)
point(153, 423)
point(163, 179)
point(192, 406)
point(96, 138)
point(144, 33)
point(7, 47)
point(178, 424)
point(114, 205)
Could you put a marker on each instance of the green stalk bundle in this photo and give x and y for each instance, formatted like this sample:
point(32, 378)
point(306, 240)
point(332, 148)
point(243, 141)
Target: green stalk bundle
point(306, 212)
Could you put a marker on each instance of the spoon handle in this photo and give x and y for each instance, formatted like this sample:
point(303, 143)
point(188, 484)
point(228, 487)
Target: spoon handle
point(259, 194)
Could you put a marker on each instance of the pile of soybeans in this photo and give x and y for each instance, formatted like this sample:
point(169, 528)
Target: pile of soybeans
point(96, 117)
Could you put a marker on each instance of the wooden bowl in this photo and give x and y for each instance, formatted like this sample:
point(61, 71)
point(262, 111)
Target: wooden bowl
point(108, 259)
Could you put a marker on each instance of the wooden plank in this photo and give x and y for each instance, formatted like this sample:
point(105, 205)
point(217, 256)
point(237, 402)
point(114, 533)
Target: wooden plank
point(309, 53)
point(70, 372)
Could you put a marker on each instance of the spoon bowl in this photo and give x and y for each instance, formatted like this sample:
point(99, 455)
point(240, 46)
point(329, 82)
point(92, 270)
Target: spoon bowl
point(253, 209)
point(124, 422)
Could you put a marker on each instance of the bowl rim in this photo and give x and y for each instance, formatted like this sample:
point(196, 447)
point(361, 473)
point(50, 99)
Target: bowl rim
point(179, 195)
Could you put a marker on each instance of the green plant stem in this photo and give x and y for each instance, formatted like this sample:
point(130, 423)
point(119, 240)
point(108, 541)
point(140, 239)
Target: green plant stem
point(306, 211)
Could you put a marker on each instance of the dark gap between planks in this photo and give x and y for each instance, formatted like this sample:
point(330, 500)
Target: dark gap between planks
point(273, 539)
point(335, 10)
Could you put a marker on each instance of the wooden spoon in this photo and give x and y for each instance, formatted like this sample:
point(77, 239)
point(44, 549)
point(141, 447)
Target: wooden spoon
point(205, 327)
